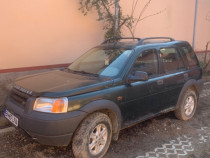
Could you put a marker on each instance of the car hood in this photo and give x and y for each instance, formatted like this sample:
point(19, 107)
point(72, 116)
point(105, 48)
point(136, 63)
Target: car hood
point(60, 83)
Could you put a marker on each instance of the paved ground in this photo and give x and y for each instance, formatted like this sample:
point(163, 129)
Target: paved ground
point(163, 136)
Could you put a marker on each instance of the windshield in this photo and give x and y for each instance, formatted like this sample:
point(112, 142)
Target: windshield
point(102, 62)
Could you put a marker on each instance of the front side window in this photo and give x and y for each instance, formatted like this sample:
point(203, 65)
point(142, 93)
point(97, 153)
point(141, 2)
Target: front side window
point(171, 59)
point(147, 62)
point(190, 55)
point(102, 62)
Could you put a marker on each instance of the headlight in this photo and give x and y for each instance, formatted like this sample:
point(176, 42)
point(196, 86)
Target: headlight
point(51, 105)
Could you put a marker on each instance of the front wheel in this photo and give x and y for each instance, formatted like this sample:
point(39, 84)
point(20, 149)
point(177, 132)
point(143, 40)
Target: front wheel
point(93, 137)
point(187, 107)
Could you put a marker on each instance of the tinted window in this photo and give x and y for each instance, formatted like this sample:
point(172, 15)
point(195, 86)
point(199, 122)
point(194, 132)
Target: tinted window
point(171, 59)
point(190, 55)
point(147, 62)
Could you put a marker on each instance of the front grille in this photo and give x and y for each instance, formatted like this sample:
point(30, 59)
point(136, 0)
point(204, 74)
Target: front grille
point(19, 97)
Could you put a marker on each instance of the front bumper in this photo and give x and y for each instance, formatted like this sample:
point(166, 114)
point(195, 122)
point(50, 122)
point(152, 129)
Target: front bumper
point(47, 129)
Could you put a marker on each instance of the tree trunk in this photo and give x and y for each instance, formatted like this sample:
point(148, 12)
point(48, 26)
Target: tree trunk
point(116, 17)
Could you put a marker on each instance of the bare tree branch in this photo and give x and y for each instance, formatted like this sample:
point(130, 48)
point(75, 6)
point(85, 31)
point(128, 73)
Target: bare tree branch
point(141, 13)
point(133, 24)
point(134, 7)
point(108, 11)
point(152, 15)
point(131, 32)
point(124, 21)
point(112, 3)
point(205, 58)
point(105, 13)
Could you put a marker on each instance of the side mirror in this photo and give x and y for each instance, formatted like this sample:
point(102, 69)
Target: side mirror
point(138, 76)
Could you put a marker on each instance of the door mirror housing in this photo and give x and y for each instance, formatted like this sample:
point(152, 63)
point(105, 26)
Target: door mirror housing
point(138, 76)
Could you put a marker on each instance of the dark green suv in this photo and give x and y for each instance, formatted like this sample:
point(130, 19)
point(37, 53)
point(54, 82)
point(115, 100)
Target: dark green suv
point(112, 86)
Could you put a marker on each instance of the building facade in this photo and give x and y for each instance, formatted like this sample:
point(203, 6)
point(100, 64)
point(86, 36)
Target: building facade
point(40, 33)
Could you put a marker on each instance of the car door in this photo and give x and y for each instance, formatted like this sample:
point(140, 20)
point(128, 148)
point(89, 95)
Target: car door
point(139, 99)
point(174, 74)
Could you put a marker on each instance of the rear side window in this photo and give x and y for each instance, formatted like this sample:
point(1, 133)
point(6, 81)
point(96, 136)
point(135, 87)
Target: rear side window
point(171, 59)
point(190, 55)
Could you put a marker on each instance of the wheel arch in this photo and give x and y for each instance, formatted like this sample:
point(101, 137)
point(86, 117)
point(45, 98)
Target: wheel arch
point(191, 84)
point(109, 108)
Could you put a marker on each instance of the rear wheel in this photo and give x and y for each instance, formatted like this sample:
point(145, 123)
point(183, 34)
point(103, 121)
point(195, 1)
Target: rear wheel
point(93, 137)
point(187, 106)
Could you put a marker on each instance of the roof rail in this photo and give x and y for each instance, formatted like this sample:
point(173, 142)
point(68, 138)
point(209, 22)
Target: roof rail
point(151, 38)
point(117, 39)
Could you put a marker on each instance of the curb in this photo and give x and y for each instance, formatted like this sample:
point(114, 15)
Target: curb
point(5, 130)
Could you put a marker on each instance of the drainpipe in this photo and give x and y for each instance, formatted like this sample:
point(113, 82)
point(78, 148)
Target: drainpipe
point(195, 23)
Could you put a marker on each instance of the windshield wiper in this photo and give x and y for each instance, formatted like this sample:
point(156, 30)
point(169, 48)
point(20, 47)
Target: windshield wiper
point(83, 72)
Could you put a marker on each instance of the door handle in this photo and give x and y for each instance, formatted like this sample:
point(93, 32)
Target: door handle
point(160, 82)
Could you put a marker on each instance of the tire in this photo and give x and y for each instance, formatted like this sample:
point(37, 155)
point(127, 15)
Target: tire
point(87, 133)
point(187, 106)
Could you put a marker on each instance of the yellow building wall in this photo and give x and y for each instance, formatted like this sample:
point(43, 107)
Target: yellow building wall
point(47, 32)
